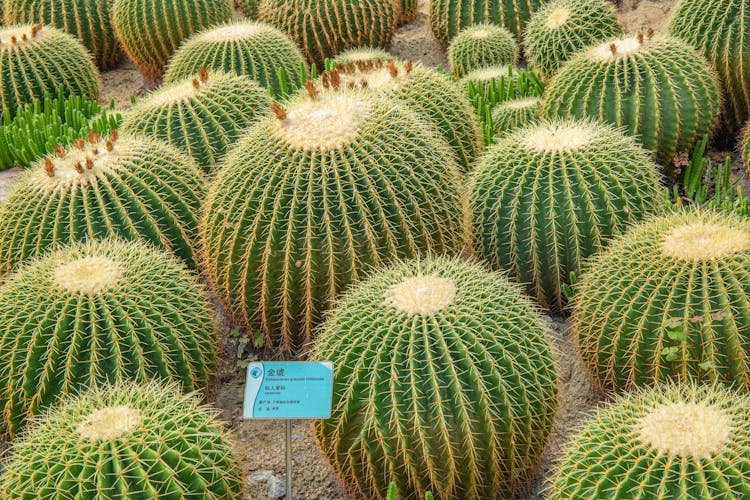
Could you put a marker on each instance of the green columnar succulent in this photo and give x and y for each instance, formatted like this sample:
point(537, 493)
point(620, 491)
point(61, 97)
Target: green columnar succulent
point(249, 8)
point(124, 441)
point(479, 46)
point(515, 113)
point(36, 60)
point(151, 30)
point(99, 311)
point(483, 82)
point(449, 17)
point(668, 300)
point(315, 196)
point(545, 197)
point(444, 382)
point(671, 442)
point(255, 49)
point(88, 20)
point(720, 29)
point(659, 88)
point(433, 95)
point(132, 188)
point(409, 11)
point(203, 115)
point(563, 27)
point(361, 55)
point(323, 28)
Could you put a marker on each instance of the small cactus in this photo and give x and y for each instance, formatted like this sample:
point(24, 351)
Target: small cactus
point(444, 382)
point(479, 46)
point(515, 113)
point(361, 55)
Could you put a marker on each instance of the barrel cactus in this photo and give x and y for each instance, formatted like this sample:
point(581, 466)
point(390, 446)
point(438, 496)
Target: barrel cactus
point(668, 300)
point(203, 115)
point(745, 146)
point(547, 196)
point(150, 32)
point(444, 382)
point(563, 27)
point(658, 87)
point(433, 95)
point(361, 55)
point(409, 11)
point(449, 17)
point(515, 113)
point(132, 188)
point(314, 196)
point(88, 20)
point(480, 46)
point(36, 60)
point(255, 49)
point(124, 441)
point(323, 28)
point(670, 442)
point(98, 311)
point(249, 8)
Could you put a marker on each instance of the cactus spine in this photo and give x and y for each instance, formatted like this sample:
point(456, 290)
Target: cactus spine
point(479, 46)
point(449, 17)
point(515, 113)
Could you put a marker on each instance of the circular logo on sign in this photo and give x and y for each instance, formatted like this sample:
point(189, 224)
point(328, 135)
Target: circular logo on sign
point(256, 372)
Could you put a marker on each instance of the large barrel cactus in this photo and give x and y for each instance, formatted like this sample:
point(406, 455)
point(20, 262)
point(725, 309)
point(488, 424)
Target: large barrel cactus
point(89, 20)
point(545, 197)
point(659, 88)
point(563, 27)
point(95, 312)
point(515, 113)
point(672, 442)
point(479, 46)
point(449, 17)
point(36, 60)
point(433, 95)
point(151, 30)
point(249, 7)
point(257, 50)
point(444, 382)
point(409, 11)
point(316, 195)
point(132, 188)
point(323, 28)
point(668, 300)
point(202, 115)
point(124, 441)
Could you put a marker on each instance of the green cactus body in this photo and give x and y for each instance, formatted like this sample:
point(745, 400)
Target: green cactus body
point(88, 20)
point(202, 116)
point(444, 382)
point(545, 197)
point(246, 48)
point(315, 196)
point(745, 146)
point(323, 28)
point(480, 46)
point(151, 30)
point(132, 188)
point(660, 89)
point(483, 81)
point(249, 8)
point(671, 442)
point(668, 300)
point(720, 29)
point(433, 95)
point(515, 113)
point(409, 11)
point(99, 311)
point(36, 60)
point(361, 55)
point(124, 441)
point(563, 27)
point(449, 17)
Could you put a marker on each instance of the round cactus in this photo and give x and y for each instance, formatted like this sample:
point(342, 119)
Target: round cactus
point(409, 11)
point(668, 300)
point(249, 8)
point(480, 46)
point(132, 188)
point(88, 20)
point(150, 32)
point(361, 55)
point(313, 197)
point(432, 95)
point(202, 116)
point(545, 197)
point(657, 87)
point(444, 382)
point(515, 113)
point(449, 17)
point(99, 311)
point(36, 60)
point(671, 442)
point(563, 27)
point(323, 28)
point(124, 441)
point(720, 29)
point(246, 48)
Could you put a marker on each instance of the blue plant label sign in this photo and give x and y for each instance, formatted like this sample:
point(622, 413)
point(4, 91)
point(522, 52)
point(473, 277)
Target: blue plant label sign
point(293, 389)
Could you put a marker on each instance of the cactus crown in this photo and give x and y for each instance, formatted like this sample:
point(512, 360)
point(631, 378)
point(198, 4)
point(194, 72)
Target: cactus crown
point(19, 37)
point(421, 295)
point(487, 74)
point(528, 102)
point(557, 18)
point(109, 423)
point(182, 91)
point(614, 50)
point(88, 274)
point(704, 241)
point(379, 75)
point(234, 31)
point(559, 137)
